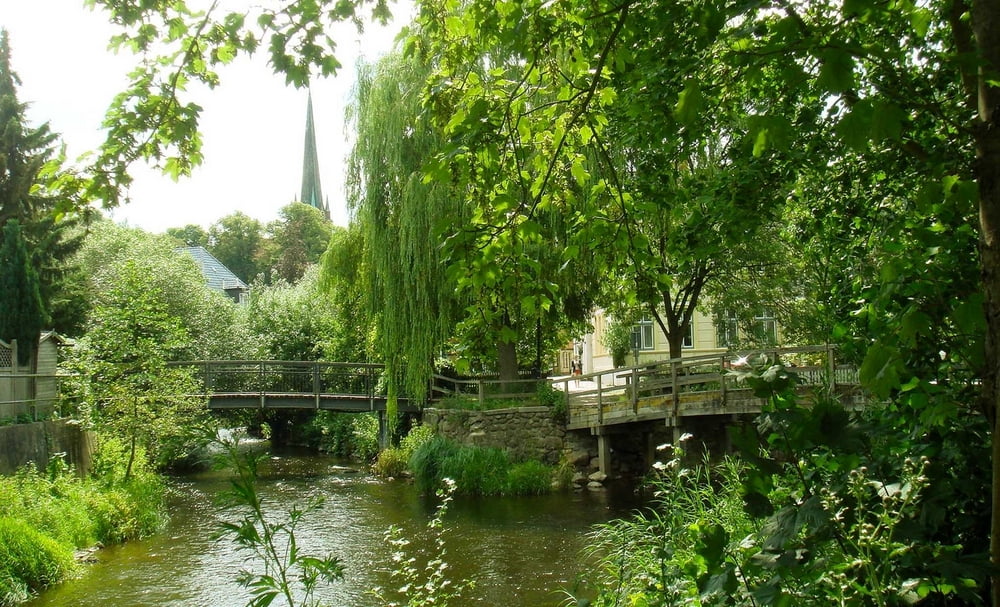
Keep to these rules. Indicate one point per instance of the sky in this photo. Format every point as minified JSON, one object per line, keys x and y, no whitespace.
{"x":253,"y":125}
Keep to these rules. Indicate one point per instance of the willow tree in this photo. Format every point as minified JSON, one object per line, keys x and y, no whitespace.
{"x":398,"y":215}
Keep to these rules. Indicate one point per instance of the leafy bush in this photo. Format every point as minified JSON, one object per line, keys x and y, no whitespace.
{"x":390,"y":463}
{"x":350,"y":435}
{"x":477,"y":470}
{"x":394,"y":461}
{"x":426,"y":461}
{"x":29,"y":560}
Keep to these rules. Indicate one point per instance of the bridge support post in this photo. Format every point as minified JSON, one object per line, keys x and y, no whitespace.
{"x":383,"y":431}
{"x":604,"y":454}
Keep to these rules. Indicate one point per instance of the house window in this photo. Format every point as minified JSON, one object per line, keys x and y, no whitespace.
{"x":642,"y":334}
{"x":726,"y":330}
{"x":688,"y":341}
{"x":765,"y":327}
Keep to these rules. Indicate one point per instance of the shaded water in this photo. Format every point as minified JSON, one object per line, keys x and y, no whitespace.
{"x":519,"y":551}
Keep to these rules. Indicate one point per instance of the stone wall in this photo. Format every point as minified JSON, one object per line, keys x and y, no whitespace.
{"x":35,"y":443}
{"x":524,"y":432}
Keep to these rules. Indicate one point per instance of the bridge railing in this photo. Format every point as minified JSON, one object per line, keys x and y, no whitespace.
{"x":285,"y":377}
{"x":484,"y":389}
{"x":673,"y":380}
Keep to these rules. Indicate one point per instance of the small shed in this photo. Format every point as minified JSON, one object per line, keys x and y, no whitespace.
{"x":29,"y":392}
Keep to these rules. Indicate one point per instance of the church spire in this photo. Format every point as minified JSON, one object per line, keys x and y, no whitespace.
{"x":312,"y":191}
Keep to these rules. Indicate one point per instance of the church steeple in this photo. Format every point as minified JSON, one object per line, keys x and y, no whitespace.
{"x":312,"y":191}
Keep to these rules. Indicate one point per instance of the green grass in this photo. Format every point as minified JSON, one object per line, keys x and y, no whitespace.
{"x":44,"y":517}
{"x":477,"y":470}
{"x":29,"y":560}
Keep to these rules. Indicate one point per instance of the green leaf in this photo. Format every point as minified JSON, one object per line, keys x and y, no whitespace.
{"x":836,"y":73}
{"x":880,"y":370}
{"x":689,"y":103}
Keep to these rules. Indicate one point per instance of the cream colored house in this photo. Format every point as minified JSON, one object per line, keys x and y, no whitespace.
{"x":706,"y":335}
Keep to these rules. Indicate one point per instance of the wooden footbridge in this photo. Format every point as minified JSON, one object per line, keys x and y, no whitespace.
{"x":605,"y":403}
{"x":271,"y":384}
{"x":670,"y":390}
{"x":657,"y":391}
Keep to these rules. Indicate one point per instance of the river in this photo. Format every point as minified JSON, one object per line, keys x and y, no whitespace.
{"x":518,"y":551}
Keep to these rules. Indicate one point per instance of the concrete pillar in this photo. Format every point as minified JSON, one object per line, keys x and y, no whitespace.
{"x":383,"y":430}
{"x":604,"y":453}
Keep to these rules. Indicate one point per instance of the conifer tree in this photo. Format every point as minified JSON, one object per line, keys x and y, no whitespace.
{"x":24,"y":153}
{"x":21,"y":311}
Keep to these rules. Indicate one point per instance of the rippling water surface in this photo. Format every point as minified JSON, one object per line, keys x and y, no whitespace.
{"x":518,"y":551}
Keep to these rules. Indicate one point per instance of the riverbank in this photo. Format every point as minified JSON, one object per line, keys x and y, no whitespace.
{"x":45,"y":517}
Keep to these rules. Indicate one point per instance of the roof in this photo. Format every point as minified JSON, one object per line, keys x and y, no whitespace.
{"x":217,"y":275}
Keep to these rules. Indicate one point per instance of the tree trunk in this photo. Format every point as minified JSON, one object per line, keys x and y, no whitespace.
{"x":986,"y":27}
{"x":507,"y":365}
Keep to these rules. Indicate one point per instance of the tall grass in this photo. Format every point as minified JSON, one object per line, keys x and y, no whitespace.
{"x":476,"y":470}
{"x":44,"y":517}
{"x":647,"y":558}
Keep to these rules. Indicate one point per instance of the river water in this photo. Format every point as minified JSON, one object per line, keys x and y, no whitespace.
{"x":518,"y":551}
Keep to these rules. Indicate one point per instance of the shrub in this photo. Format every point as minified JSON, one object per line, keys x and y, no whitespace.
{"x":390,"y":462}
{"x":30,"y":559}
{"x":394,"y":460}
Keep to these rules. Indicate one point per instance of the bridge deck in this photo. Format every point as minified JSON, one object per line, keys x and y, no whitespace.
{"x":348,"y":403}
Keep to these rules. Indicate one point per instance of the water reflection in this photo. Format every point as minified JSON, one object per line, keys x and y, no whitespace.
{"x":519,"y":551}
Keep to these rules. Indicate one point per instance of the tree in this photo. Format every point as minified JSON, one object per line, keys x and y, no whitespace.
{"x":914,"y":80}
{"x":190,"y":235}
{"x":208,"y":317}
{"x":124,"y":354}
{"x":297,"y":239}
{"x":237,"y":240}
{"x":35,"y":190}
{"x":394,"y":213}
{"x":21,"y":313}
{"x":898,"y":80}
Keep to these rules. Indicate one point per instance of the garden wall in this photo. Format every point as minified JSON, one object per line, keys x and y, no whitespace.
{"x":35,"y":443}
{"x":524,"y":432}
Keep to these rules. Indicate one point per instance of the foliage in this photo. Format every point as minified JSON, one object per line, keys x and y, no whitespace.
{"x":208,"y":317}
{"x":29,"y":560}
{"x":395,"y":213}
{"x":32,"y":192}
{"x":423,"y":586}
{"x":191,"y":235}
{"x":394,"y":461}
{"x":45,"y":516}
{"x":295,"y":322}
{"x":476,"y":470}
{"x":288,"y":573}
{"x":130,"y":390}
{"x":353,"y":435}
{"x":296,"y":240}
{"x":21,"y":312}
{"x":179,"y":46}
{"x":655,"y":556}
{"x":237,"y":240}
{"x":547,"y":396}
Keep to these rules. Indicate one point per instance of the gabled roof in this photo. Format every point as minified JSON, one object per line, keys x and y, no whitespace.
{"x":217,"y":275}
